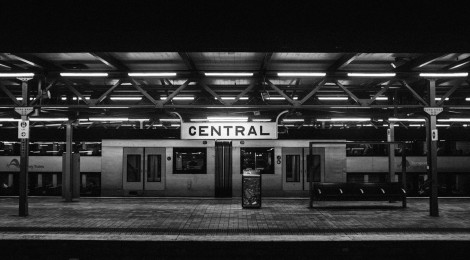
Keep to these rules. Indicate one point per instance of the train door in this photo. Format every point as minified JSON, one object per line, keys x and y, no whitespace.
{"x":223,"y":169}
{"x":293,"y":168}
{"x":144,"y":169}
{"x":297,"y":165}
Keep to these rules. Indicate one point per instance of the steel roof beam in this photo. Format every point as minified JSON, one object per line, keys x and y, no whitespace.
{"x":69,"y":85}
{"x":290,"y":100}
{"x":415,"y":95}
{"x":105,"y":94}
{"x":146,"y":94}
{"x":343,"y":61}
{"x":176,"y":92}
{"x":246,"y":90}
{"x":420,"y":61}
{"x":348,"y":92}
{"x":110,"y":60}
{"x":9,"y":94}
{"x":10,"y":65}
{"x":378,"y":94}
{"x":315,"y":90}
{"x":458,"y":64}
{"x":208,"y":89}
{"x":35,"y":61}
{"x":449,"y":93}
{"x":188,"y":61}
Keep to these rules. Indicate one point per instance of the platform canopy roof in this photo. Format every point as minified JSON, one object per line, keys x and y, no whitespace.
{"x":189,"y":42}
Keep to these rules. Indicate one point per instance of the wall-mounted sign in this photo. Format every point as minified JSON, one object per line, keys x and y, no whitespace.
{"x":23,"y":129}
{"x":229,"y":131}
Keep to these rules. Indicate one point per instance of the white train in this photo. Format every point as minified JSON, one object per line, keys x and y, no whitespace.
{"x":214,"y":168}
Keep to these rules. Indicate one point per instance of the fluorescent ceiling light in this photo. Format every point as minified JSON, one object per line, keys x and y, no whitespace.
{"x":442,"y":125}
{"x":48,"y":119}
{"x":169,"y":119}
{"x":226,"y":119}
{"x":228,"y":74}
{"x":467,"y":99}
{"x":178,"y":98}
{"x":151,"y":74}
{"x":106,"y":107}
{"x":54,"y":107}
{"x":344,"y":119}
{"x":332,"y":98}
{"x":371,"y":74}
{"x":381,"y":98}
{"x":279,"y":98}
{"x":261,"y":120}
{"x":79,"y":98}
{"x":175,"y":125}
{"x":9,"y":120}
{"x":108,"y":119}
{"x":125,"y":98}
{"x":83,"y":74}
{"x":363,"y":125}
{"x":16,"y":75}
{"x":406,"y":119}
{"x":232,"y":98}
{"x":443,"y":75}
{"x":454,"y":120}
{"x":438,"y":98}
{"x":139,"y":119}
{"x":415,"y":125}
{"x":63,"y":98}
{"x":197,"y":119}
{"x":301,"y":74}
{"x":159,"y":125}
{"x":293,"y":120}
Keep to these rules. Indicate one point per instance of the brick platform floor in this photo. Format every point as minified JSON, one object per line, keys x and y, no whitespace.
{"x":189,"y":219}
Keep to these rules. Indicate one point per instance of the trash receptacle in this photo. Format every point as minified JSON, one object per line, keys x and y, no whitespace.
{"x":251,"y":189}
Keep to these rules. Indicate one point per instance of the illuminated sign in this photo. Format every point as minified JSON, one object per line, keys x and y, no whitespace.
{"x":228,"y":131}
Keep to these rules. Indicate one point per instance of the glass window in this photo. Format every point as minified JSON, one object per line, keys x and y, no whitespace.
{"x":261,"y":159}
{"x":292,"y":168}
{"x":133,"y":168}
{"x":154,"y":168}
{"x":189,"y":160}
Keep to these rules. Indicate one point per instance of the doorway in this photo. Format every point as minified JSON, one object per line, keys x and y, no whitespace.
{"x":223,"y":169}
{"x":144,"y":169}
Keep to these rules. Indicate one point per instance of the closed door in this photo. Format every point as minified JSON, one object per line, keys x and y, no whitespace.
{"x":297,"y":164}
{"x":144,"y":169}
{"x":223,"y":169}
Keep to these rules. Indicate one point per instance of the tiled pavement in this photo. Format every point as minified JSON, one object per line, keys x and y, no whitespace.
{"x":189,"y":219}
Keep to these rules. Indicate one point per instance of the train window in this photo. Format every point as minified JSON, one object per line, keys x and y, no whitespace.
{"x":154,"y":168}
{"x":189,"y":160}
{"x":133,"y":168}
{"x":292,"y":168}
{"x":261,"y":159}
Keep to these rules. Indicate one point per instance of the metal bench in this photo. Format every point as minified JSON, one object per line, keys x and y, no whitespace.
{"x":392,"y":191}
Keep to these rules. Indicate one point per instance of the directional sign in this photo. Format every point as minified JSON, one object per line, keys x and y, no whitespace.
{"x":23,"y":129}
{"x":433,"y":111}
{"x":434,"y":136}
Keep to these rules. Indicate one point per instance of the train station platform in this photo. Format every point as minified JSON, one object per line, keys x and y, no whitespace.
{"x":201,"y":223}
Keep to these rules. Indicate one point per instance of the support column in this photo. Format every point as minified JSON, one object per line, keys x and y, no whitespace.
{"x":24,"y":158}
{"x":68,"y":164}
{"x":431,"y":139}
{"x":391,"y":152}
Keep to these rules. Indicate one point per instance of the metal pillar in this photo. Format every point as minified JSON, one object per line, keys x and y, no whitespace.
{"x":431,"y":139}
{"x":391,"y":152}
{"x":67,"y":173}
{"x":24,"y":158}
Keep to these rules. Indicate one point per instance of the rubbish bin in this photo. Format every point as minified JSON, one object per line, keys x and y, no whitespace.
{"x":251,"y":189}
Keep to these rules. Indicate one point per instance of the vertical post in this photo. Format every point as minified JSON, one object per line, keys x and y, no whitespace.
{"x":68,"y":179}
{"x":391,"y":152}
{"x":24,"y":158}
{"x":431,"y":130}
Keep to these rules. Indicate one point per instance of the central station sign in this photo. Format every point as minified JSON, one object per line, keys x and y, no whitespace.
{"x":229,"y":130}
